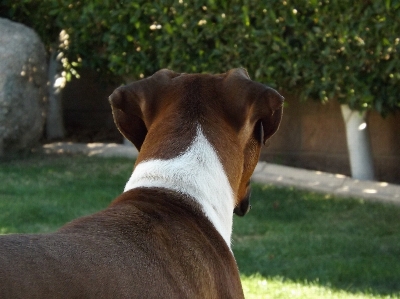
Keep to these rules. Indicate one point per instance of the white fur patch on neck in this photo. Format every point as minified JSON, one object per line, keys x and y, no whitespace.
{"x":198,"y":173}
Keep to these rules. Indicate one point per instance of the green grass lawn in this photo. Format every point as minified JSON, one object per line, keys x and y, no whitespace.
{"x":292,"y":244}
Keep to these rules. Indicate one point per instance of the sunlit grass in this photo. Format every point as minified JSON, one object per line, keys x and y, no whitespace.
{"x":258,"y":287}
{"x":292,"y":244}
{"x":337,"y":244}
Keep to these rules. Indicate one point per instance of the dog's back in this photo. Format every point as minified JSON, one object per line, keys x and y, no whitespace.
{"x":148,"y":243}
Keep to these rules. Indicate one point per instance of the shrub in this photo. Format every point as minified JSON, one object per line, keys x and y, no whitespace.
{"x":344,"y":50}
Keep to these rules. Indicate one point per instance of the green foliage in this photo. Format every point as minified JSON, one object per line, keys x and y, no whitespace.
{"x":33,"y":14}
{"x":344,"y":50}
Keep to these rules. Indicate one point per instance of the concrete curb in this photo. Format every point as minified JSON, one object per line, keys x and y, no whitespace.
{"x":336,"y":184}
{"x":265,"y":173}
{"x":91,"y":149}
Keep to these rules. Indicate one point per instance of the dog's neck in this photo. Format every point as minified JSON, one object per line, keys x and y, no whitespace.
{"x":198,"y":173}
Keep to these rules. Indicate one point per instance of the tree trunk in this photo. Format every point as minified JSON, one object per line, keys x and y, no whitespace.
{"x":54,"y":119}
{"x":358,"y":144}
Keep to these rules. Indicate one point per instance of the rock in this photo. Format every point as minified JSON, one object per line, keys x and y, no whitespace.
{"x":23,"y":87}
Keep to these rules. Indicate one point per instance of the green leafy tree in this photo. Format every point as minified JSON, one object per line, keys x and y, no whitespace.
{"x":323,"y":50}
{"x":326,"y":49}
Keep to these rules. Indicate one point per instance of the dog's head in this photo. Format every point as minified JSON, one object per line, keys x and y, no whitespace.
{"x":160,"y":114}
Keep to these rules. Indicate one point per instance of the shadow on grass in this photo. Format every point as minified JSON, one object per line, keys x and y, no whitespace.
{"x":344,"y":244}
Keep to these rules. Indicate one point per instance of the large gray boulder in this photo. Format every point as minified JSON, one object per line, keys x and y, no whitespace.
{"x":23,"y":87}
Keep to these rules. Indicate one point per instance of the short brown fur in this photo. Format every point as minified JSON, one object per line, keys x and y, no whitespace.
{"x":147,"y":244}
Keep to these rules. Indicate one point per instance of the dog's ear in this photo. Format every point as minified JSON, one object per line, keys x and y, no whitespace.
{"x":132,"y":104}
{"x":256,"y":110}
{"x":266,"y":104}
{"x":270,"y":105}
{"x":128,"y":116}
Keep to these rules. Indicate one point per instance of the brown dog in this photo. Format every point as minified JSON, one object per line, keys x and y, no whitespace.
{"x":168,"y":235}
